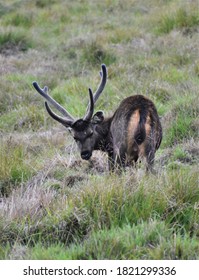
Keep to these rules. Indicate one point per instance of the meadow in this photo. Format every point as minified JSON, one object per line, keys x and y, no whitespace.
{"x":53,"y":205}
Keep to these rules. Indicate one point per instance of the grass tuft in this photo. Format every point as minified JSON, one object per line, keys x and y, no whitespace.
{"x":14,"y":41}
{"x":94,"y":54}
{"x":20,"y":20}
{"x":182,"y":126}
{"x":13,"y":166}
{"x":181,"y":19}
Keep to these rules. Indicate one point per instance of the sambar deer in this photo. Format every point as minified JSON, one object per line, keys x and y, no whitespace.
{"x":133,"y":131}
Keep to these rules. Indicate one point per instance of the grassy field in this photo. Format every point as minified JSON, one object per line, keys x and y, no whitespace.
{"x":53,"y":205}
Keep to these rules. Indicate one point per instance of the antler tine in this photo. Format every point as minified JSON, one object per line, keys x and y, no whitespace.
{"x":44,"y":93}
{"x":102,"y":84}
{"x":90,"y":109}
{"x":65,"y":122}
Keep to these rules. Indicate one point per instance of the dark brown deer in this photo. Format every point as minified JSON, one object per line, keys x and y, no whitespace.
{"x":132,"y":132}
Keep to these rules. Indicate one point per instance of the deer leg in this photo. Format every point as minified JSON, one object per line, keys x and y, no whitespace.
{"x":120,"y":159}
{"x":116,"y":161}
{"x":134,"y":162}
{"x":150,"y":156}
{"x":111,"y":162}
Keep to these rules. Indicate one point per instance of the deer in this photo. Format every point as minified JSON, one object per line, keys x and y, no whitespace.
{"x":133,"y":132}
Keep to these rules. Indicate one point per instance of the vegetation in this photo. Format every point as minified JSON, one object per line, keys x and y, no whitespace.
{"x":53,"y":205}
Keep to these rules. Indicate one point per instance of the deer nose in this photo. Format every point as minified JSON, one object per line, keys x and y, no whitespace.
{"x":86,"y":155}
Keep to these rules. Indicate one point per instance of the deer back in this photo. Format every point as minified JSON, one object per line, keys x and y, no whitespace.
{"x":134,"y":122}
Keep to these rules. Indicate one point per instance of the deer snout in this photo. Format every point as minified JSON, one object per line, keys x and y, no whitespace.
{"x":86,"y":155}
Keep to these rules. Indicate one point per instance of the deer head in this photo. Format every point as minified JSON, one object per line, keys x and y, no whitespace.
{"x":84,"y":130}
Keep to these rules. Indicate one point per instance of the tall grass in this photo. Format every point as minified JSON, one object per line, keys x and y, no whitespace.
{"x":14,"y":40}
{"x":182,"y":18}
{"x":95,"y":54}
{"x":134,"y":219}
{"x":13,"y":167}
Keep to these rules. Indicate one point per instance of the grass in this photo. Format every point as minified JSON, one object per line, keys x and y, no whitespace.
{"x":184,"y":112}
{"x":141,"y":221}
{"x":14,"y":166}
{"x":183,"y":17}
{"x":17,"y":19}
{"x":151,"y":240}
{"x":95,"y":54}
{"x":12,"y":41}
{"x":52,"y":204}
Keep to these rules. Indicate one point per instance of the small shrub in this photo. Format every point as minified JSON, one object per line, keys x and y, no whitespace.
{"x":14,"y":41}
{"x":166,"y":25}
{"x":95,"y":54}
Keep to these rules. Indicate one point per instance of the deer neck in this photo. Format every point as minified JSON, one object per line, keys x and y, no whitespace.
{"x":103,"y":130}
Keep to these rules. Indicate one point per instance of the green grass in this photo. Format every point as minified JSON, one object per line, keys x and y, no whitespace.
{"x":151,"y":240}
{"x":179,"y":154}
{"x":14,"y":40}
{"x":94,"y":54}
{"x":53,"y":205}
{"x":184,"y":112}
{"x":182,"y":18}
{"x":44,"y":3}
{"x":128,"y":222}
{"x":17,"y":19}
{"x":14,"y":168}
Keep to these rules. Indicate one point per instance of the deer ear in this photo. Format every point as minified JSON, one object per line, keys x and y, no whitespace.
{"x":98,"y":117}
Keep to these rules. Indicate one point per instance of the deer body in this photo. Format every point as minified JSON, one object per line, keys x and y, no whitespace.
{"x":132,"y":132}
{"x":135,"y":131}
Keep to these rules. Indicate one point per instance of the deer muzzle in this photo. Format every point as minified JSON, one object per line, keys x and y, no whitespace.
{"x":86,"y":155}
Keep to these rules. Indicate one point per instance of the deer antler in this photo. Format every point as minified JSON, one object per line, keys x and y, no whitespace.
{"x":65,"y":122}
{"x":68,"y":121}
{"x":90,"y":109}
{"x":102,"y":84}
{"x":99,"y":90}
